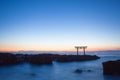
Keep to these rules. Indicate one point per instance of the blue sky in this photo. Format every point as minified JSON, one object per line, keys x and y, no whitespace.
{"x":59,"y":25}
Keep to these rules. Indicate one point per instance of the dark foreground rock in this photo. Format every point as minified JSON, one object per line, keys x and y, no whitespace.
{"x":111,"y":67}
{"x":8,"y":58}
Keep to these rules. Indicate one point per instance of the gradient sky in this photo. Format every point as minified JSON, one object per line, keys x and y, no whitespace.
{"x":59,"y":25}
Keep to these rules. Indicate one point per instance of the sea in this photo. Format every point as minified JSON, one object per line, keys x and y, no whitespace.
{"x":91,"y":70}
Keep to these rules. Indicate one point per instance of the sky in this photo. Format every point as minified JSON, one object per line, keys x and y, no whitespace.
{"x":59,"y":25}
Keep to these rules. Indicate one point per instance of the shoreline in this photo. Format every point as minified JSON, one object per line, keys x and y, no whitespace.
{"x":10,"y":59}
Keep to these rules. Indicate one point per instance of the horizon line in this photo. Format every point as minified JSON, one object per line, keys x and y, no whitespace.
{"x":59,"y":51}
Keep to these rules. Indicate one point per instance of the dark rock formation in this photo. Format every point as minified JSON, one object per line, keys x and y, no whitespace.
{"x":20,"y":58}
{"x":89,"y":70}
{"x":111,"y":67}
{"x":69,"y":58}
{"x":8,"y":59}
{"x":40,"y":59}
{"x":78,"y":71}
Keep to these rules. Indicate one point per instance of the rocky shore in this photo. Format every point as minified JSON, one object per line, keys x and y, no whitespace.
{"x":10,"y":59}
{"x":111,"y":67}
{"x":70,"y":58}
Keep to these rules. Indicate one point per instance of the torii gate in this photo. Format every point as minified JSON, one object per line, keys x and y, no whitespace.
{"x":81,"y":47}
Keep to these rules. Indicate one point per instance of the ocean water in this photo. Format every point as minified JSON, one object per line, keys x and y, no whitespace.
{"x":61,"y":71}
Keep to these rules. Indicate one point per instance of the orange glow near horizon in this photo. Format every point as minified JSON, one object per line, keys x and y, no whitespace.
{"x":14,"y":48}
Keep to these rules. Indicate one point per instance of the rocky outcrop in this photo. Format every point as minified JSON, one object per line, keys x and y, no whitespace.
{"x":111,"y":67}
{"x":69,"y":58}
{"x":40,"y":59}
{"x":8,"y":58}
{"x":78,"y":71}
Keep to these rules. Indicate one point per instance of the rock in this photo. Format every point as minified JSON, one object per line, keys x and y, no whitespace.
{"x":40,"y":59}
{"x":89,"y":70}
{"x":111,"y":67}
{"x":78,"y":71}
{"x":70,"y":58}
{"x":8,"y":59}
{"x":20,"y":58}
